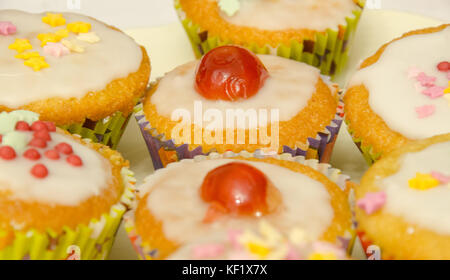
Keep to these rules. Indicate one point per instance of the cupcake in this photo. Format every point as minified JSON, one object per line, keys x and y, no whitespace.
{"x":202,"y":198}
{"x":402,"y":205}
{"x":314,"y":32}
{"x":60,"y":197}
{"x":75,"y":71}
{"x":233,"y":100}
{"x":265,"y":244}
{"x":401,"y":93}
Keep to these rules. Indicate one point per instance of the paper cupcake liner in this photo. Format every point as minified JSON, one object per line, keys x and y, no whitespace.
{"x":328,"y":51}
{"x":146,"y":252}
{"x":86,"y":242}
{"x":163,"y":150}
{"x":107,"y":131}
{"x":371,"y":250}
{"x":367,"y":150}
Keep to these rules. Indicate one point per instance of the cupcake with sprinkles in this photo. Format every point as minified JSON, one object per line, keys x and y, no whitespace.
{"x":401,"y":93}
{"x":59,"y":195}
{"x":193,"y":204}
{"x":402,"y":202}
{"x":234,"y":100}
{"x":265,"y":244}
{"x":315,"y":32}
{"x":79,"y":73}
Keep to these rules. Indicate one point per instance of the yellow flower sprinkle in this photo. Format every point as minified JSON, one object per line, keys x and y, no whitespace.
{"x":20,"y":45}
{"x":37,"y":63}
{"x":258,"y":250}
{"x":322,"y":257}
{"x":27,"y":55}
{"x":423,"y":182}
{"x":63,"y":33}
{"x":54,"y":19}
{"x":79,"y":27}
{"x":447,"y":90}
{"x":48,"y":37}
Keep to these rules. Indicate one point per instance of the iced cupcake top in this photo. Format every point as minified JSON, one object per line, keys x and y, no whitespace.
{"x":195,"y":199}
{"x":265,"y":244}
{"x":232,"y":78}
{"x":39,"y":163}
{"x":418,"y":192}
{"x":409,"y":85}
{"x":287,"y":14}
{"x":60,"y":55}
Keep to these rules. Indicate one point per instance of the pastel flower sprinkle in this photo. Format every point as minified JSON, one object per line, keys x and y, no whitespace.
{"x":423,"y":182}
{"x":425,"y":111}
{"x":54,"y":19}
{"x":20,"y":45}
{"x":90,"y":37}
{"x":434,"y":91}
{"x":372,"y":202}
{"x":79,"y":27}
{"x":7,"y":28}
{"x":442,"y":178}
{"x":73,"y":46}
{"x":56,"y":49}
{"x":426,"y":81}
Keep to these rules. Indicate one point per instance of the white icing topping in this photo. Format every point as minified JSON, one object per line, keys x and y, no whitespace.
{"x":175,"y":200}
{"x":298,"y":14}
{"x":394,"y":97}
{"x":65,"y":184}
{"x":429,"y":209}
{"x":289,"y":88}
{"x":73,"y":75}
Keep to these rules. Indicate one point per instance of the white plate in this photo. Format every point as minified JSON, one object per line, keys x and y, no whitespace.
{"x":169,"y":47}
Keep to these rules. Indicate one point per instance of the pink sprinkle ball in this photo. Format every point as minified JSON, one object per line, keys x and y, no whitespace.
{"x":42,"y":134}
{"x":444,"y":66}
{"x":74,"y":160}
{"x":64,"y":148}
{"x":32,"y":154}
{"x":7,"y":153}
{"x":22,"y":126}
{"x":38,"y":143}
{"x":39,"y":125}
{"x":39,"y":171}
{"x":52,"y":154}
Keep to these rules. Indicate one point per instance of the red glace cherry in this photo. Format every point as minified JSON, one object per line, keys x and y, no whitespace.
{"x":230,"y":73}
{"x":444,"y":66}
{"x":52,"y":154}
{"x":32,"y":154}
{"x":74,"y":160}
{"x":64,"y":148}
{"x":238,"y":188}
{"x":38,"y":143}
{"x":42,"y":134}
{"x":50,"y":126}
{"x":38,"y":125}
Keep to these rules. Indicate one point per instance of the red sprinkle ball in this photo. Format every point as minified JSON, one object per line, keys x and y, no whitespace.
{"x":22,"y":126}
{"x":52,"y":154}
{"x":32,"y":154}
{"x":39,"y":125}
{"x":38,"y":143}
{"x":50,"y":126}
{"x":64,"y":148}
{"x":7,"y":153}
{"x":444,"y":66}
{"x":74,"y":160}
{"x":39,"y":171}
{"x":42,"y":134}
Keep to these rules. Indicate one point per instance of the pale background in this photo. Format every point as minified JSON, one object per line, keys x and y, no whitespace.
{"x":150,"y":13}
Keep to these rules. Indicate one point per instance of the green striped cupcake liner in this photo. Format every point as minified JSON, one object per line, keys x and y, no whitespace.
{"x":367,"y":150}
{"x":87,"y":242}
{"x":328,"y":51}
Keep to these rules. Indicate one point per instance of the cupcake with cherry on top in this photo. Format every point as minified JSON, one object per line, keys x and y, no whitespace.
{"x":233,"y":100}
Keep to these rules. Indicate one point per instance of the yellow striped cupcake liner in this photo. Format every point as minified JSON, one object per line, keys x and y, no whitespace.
{"x":328,"y":51}
{"x":86,"y":242}
{"x":367,"y":151}
{"x":148,"y":252}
